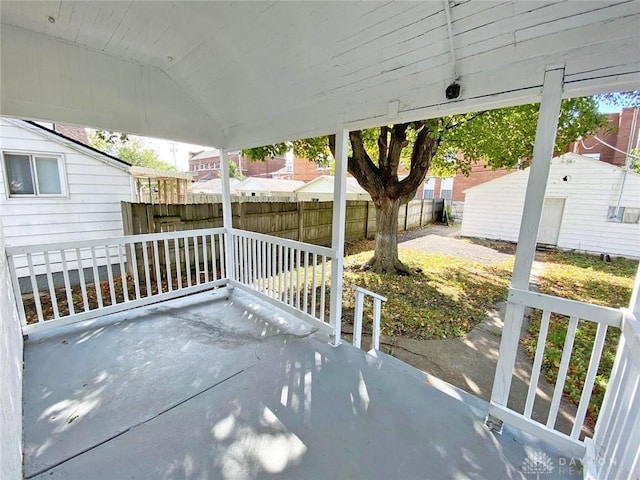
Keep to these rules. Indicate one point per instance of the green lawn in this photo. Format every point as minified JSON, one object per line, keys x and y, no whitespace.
{"x":445,"y":297}
{"x":588,"y":279}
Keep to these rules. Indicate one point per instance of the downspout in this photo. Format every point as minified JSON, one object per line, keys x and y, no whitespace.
{"x":627,"y":163}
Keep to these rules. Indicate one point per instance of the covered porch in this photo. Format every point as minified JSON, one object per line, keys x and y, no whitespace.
{"x":223,"y":385}
{"x":248,"y":377}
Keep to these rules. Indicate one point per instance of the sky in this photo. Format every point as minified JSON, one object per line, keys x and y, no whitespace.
{"x":173,"y":153}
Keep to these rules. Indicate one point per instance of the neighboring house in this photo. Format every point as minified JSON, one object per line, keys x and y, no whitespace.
{"x":212,"y":187}
{"x":205,"y":165}
{"x":321,"y":190}
{"x":302,"y":169}
{"x":267,"y":187}
{"x":54,"y":189}
{"x":580,"y":207}
{"x":617,"y":134}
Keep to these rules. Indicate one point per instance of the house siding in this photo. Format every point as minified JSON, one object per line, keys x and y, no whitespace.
{"x":494,"y":210}
{"x":91,"y":208}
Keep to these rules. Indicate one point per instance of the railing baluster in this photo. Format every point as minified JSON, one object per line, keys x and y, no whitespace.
{"x":323,"y":283}
{"x":83,"y":283}
{"x":298,"y":278}
{"x":205,"y":259}
{"x":377,"y":310}
{"x":594,"y":363}
{"x":52,"y":289}
{"x":254,"y":264}
{"x":537,"y":363}
{"x":224,"y":268}
{"x":134,"y":267}
{"x":306,"y":281}
{"x":176,"y":251}
{"x":286,"y":274}
{"x":357,"y":319}
{"x":214,"y":263}
{"x":196,"y":256}
{"x":292,"y":266}
{"x":67,"y":284}
{"x":562,"y":372}
{"x":34,"y":288}
{"x":263,"y":267}
{"x":123,"y":275}
{"x":156,"y":263}
{"x":313,"y":285}
{"x":147,"y":268}
{"x":187,"y":261}
{"x":167,"y":265}
{"x":109,"y":267}
{"x":96,"y":278}
{"x":280,"y":271}
{"x":274,"y":268}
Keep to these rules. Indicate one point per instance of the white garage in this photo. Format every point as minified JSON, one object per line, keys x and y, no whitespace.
{"x":589,"y":206}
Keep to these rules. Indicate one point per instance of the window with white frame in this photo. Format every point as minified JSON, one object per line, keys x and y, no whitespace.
{"x":446,"y":188}
{"x":623,"y":215}
{"x":429,"y":189}
{"x":33,"y":174}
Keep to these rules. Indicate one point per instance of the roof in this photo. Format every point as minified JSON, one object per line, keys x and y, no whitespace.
{"x":214,"y":153}
{"x":144,"y":172}
{"x":570,"y":157}
{"x":155,"y":68}
{"x":253,"y":184}
{"x":324,"y":184}
{"x":213,"y":186}
{"x":71,"y":143}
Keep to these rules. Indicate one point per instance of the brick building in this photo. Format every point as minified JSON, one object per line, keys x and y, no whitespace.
{"x":205,"y":165}
{"x":617,"y":134}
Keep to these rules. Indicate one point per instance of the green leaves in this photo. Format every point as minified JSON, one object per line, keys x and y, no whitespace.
{"x":129,"y":149}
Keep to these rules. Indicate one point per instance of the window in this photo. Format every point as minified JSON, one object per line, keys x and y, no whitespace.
{"x":33,"y":174}
{"x":446,"y":188}
{"x":429,"y":189}
{"x":623,"y":215}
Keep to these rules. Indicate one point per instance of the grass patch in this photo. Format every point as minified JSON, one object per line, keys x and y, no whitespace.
{"x":587,"y":279}
{"x":446,"y":297}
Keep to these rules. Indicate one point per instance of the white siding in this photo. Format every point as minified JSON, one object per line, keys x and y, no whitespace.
{"x":10,"y":377}
{"x":91,"y":209}
{"x":494,"y":209}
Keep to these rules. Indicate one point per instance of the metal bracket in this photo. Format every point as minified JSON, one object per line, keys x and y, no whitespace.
{"x":493,"y":423}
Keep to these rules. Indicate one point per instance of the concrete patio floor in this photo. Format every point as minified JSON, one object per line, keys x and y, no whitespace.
{"x":220,"y":385}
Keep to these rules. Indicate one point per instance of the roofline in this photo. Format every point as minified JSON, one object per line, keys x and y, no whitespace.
{"x":583,"y":158}
{"x":110,"y":159}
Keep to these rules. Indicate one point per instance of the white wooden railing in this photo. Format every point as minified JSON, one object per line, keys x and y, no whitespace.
{"x":59,"y":284}
{"x":290,"y":274}
{"x":614,"y":451}
{"x":74,"y":281}
{"x":359,"y":312}
{"x":576,"y":312}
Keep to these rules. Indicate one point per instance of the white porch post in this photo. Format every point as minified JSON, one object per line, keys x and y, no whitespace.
{"x":338,"y":228}
{"x":532,"y":212}
{"x":227,"y":219}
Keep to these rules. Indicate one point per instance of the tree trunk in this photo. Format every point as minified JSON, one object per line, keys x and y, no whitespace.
{"x":385,"y":259}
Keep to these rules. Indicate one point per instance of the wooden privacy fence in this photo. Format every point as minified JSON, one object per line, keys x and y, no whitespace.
{"x":308,"y":222}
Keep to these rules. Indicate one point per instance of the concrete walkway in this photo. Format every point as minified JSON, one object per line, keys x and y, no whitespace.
{"x":469,"y":362}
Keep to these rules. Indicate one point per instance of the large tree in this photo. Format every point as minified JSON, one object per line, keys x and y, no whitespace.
{"x":128,"y":148}
{"x":500,"y":138}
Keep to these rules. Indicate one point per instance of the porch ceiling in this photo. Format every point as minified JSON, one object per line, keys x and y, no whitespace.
{"x":242,"y":74}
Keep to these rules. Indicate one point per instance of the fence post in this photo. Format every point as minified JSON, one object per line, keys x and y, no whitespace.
{"x":301,"y":221}
{"x":406,"y":216}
